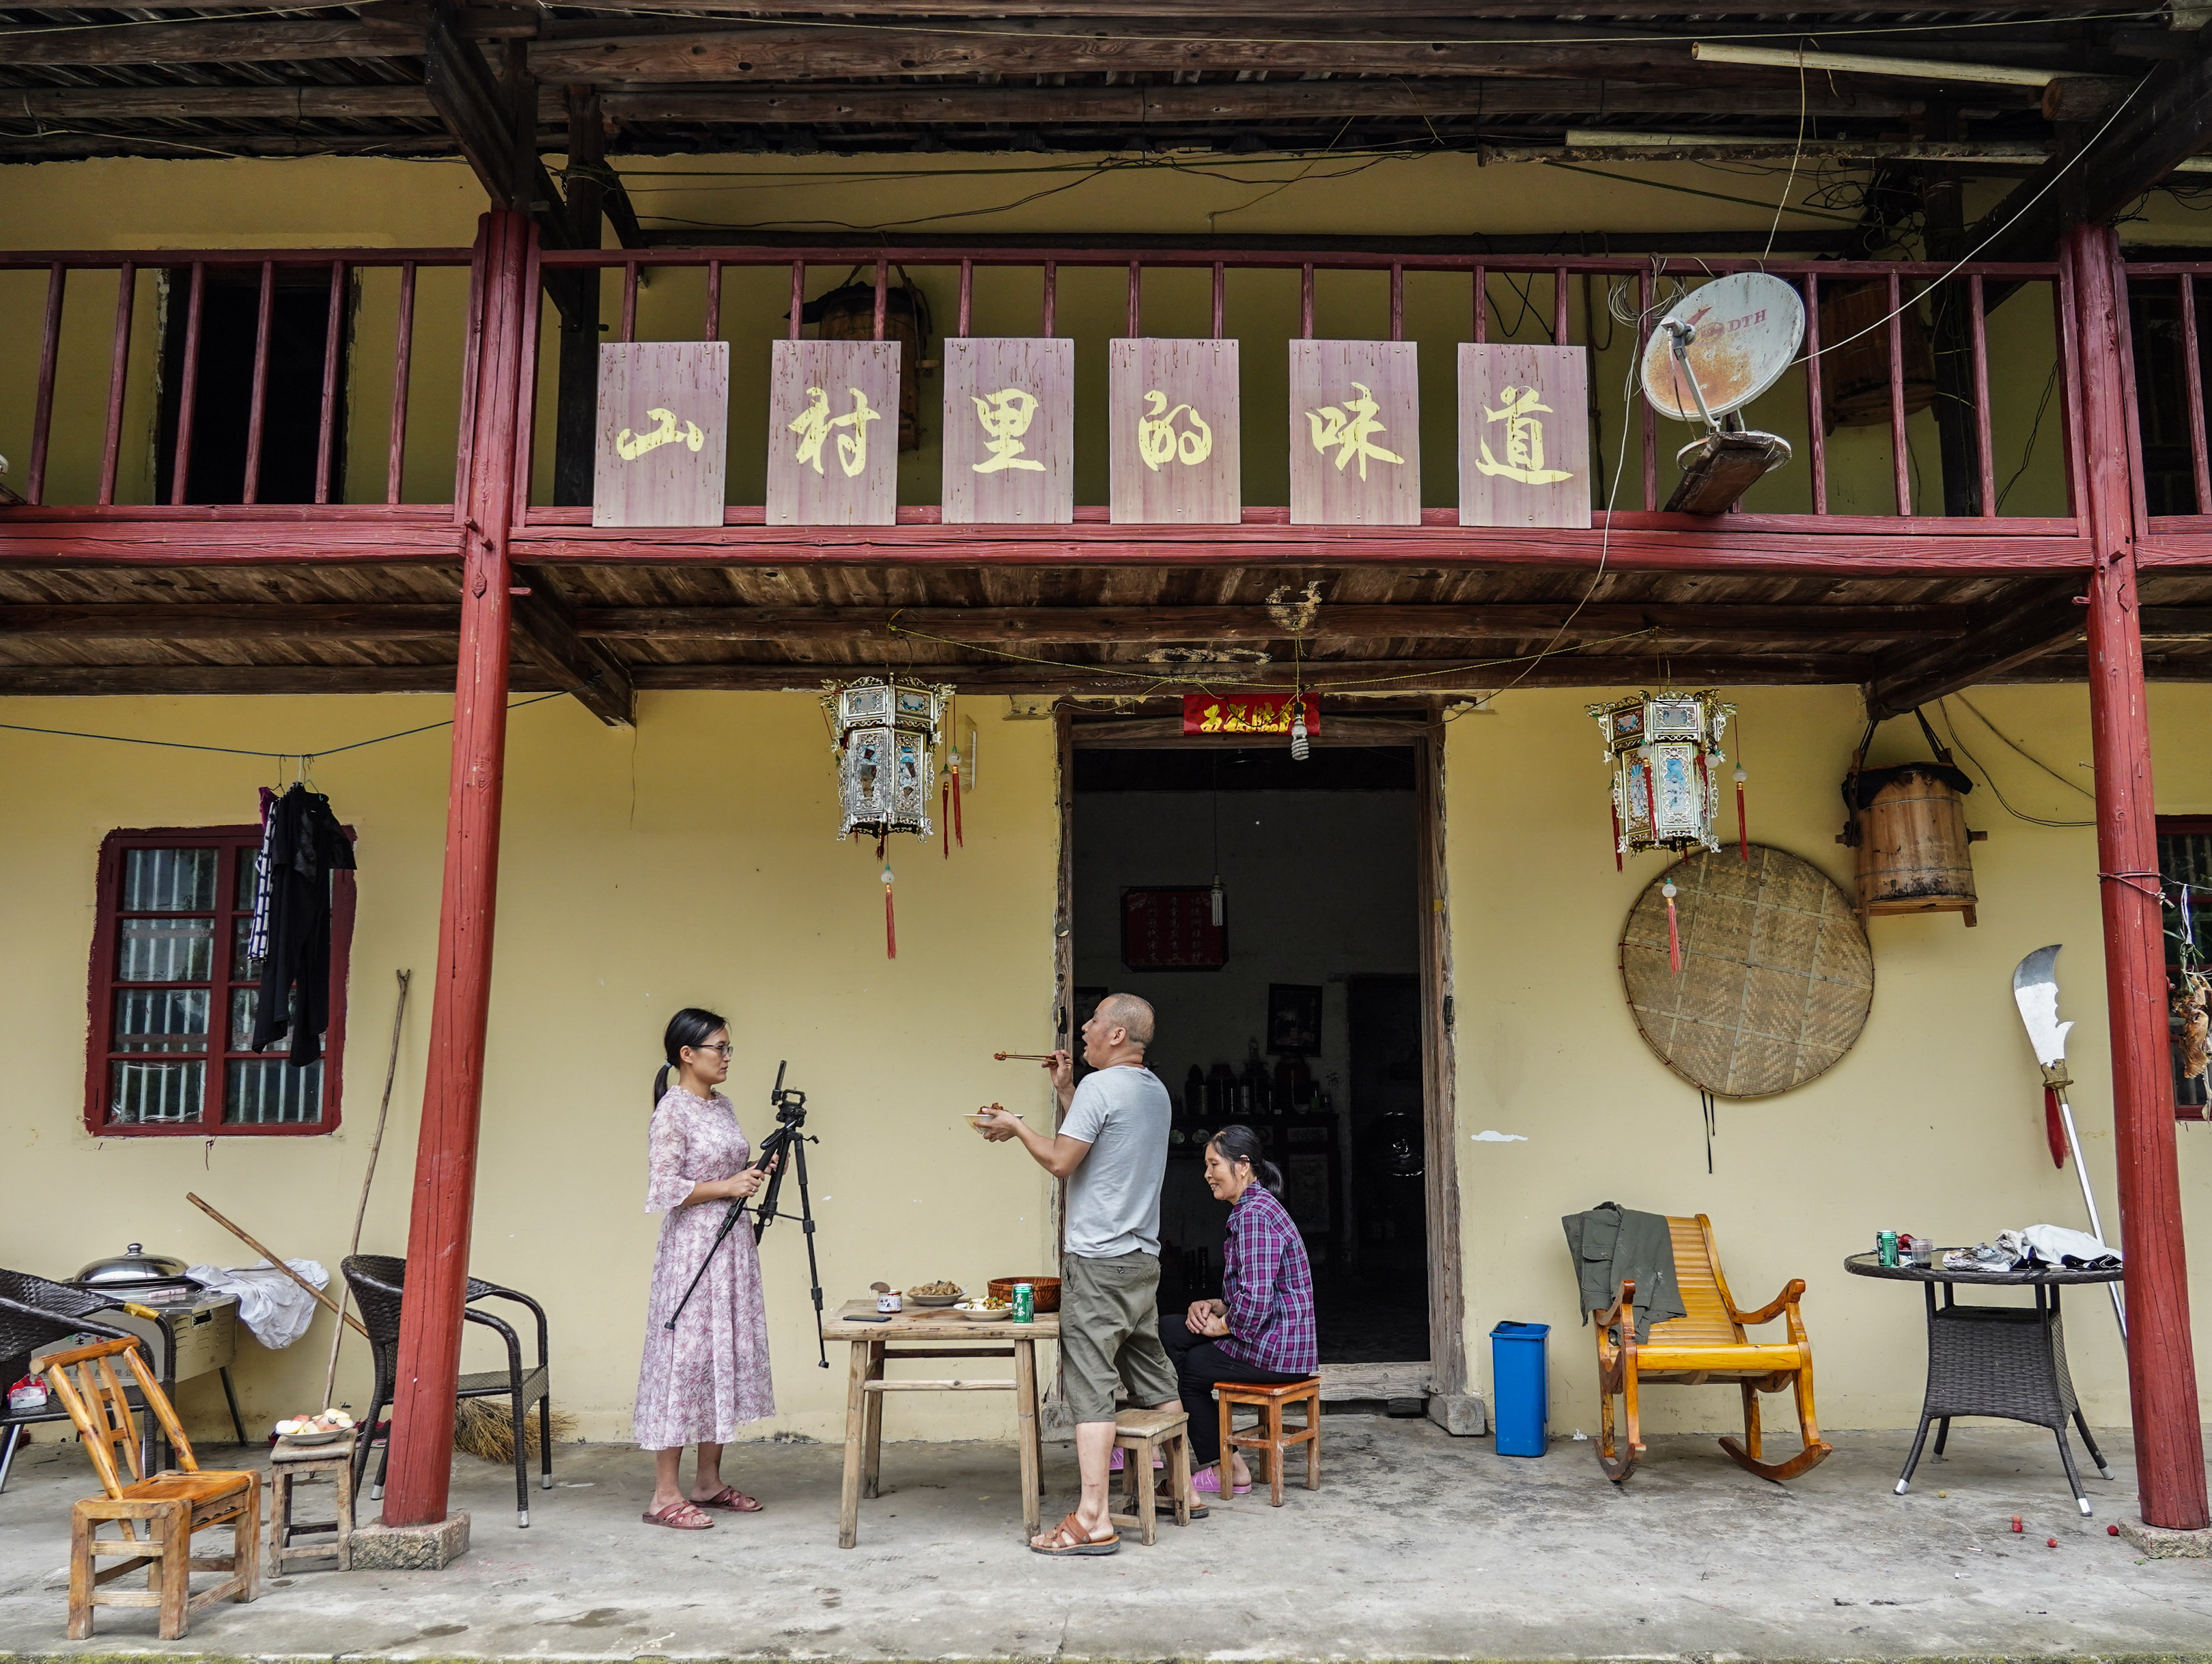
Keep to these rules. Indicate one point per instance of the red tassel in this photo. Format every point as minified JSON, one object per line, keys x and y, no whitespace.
{"x":959,"y":832}
{"x":890,"y":918}
{"x":1674,"y":931}
{"x":1651,"y":801}
{"x":1614,"y":810}
{"x":2053,"y":1128}
{"x":1742,"y":829}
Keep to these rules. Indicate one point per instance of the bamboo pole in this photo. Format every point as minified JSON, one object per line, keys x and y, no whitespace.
{"x":268,"y":1254}
{"x":361,"y":1213}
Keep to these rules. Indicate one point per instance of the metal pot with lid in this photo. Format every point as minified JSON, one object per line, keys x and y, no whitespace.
{"x":134,"y":1268}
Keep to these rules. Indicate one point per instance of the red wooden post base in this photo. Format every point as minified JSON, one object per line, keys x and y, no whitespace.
{"x":446,"y":1151}
{"x":2162,"y":1364}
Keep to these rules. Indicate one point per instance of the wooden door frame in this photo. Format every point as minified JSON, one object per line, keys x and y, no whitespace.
{"x":1445,"y":1374}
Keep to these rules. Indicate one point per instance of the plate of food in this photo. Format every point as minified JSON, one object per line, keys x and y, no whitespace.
{"x":328,"y":1427}
{"x":941,"y":1293}
{"x":986,"y":1310}
{"x":976,"y":1116}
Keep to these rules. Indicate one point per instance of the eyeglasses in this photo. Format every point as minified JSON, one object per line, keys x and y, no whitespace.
{"x":723,"y":1046}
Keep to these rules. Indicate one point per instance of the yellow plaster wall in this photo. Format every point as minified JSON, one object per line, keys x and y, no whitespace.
{"x":690,"y":862}
{"x":1933,"y":1122}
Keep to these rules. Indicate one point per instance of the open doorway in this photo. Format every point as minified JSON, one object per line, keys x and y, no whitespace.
{"x":1295,"y":1005}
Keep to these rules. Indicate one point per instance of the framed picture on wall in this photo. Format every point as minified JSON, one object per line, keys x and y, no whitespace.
{"x":1293,"y":1018}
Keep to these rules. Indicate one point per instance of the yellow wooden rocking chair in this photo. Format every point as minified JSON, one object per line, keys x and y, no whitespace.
{"x":1708,"y":1345}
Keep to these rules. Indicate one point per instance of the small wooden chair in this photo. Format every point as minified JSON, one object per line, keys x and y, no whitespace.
{"x":1141,"y":1433}
{"x":174,"y":1504}
{"x":1708,"y":1345}
{"x":1269,"y":1436}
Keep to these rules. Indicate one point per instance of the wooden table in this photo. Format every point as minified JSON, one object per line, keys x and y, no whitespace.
{"x":947,"y":1335}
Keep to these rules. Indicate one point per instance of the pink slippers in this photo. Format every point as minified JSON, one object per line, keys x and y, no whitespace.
{"x":1207,"y":1482}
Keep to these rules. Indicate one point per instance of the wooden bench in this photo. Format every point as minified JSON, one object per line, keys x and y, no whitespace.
{"x":1707,"y":1345}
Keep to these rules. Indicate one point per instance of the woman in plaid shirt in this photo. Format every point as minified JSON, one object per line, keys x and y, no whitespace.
{"x":1262,"y":1328}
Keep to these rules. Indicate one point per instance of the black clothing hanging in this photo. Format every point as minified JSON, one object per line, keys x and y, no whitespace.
{"x":305,"y":844}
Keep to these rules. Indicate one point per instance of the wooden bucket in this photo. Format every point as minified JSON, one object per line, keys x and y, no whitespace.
{"x":1913,"y":848}
{"x":1855,"y":375}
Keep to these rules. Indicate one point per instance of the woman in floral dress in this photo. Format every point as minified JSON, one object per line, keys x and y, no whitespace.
{"x":700,"y":1381}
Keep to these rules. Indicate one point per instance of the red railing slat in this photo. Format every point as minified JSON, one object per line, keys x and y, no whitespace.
{"x":263,"y":318}
{"x":326,"y":428}
{"x":180,"y":461}
{"x":402,"y":355}
{"x":118,"y":377}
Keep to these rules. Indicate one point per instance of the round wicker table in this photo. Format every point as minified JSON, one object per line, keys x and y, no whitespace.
{"x":2001,"y":1361}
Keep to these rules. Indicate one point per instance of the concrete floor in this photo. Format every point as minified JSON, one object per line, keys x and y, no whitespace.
{"x":1419,"y":1546}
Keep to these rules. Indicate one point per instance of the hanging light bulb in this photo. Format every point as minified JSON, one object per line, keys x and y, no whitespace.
{"x":1217,"y":901}
{"x":1300,"y":747}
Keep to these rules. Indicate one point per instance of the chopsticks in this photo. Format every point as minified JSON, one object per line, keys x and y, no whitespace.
{"x":1023,"y":1056}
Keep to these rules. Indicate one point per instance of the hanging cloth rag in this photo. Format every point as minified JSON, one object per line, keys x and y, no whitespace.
{"x":1611,"y":1245}
{"x":257,"y":934}
{"x":275,"y":1310}
{"x":305,"y":844}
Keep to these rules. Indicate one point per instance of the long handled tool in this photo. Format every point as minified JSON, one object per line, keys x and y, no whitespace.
{"x":2035,"y":990}
{"x":361,"y":1213}
{"x":270,"y":1255}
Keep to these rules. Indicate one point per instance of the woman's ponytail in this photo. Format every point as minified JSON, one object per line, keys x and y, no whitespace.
{"x":1238,"y":1142}
{"x":689,"y":1027}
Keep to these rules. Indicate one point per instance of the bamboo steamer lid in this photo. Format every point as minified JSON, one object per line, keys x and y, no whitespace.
{"x":1776,"y":976}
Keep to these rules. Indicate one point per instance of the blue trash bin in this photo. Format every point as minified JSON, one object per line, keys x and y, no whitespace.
{"x":1519,"y":1375}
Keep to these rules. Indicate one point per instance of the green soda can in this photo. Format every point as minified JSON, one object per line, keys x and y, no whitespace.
{"x":1025,"y":1299}
{"x":1885,"y":1248}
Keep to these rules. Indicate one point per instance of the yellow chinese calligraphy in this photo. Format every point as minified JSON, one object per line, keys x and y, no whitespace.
{"x":814,"y":425}
{"x":1005,"y":415}
{"x":1524,"y":441}
{"x":631,"y":446}
{"x":1157,"y":441}
{"x":1352,"y":430}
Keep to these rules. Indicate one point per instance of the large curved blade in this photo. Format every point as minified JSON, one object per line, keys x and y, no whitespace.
{"x":2035,"y":989}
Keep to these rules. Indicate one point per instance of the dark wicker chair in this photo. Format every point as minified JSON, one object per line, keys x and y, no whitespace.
{"x":35,"y":1315}
{"x":378,"y":1281}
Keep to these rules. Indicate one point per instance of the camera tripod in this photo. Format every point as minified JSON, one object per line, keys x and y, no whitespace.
{"x":790,"y":1136}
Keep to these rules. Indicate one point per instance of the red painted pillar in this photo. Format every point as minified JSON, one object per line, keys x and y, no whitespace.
{"x":453,"y":1092}
{"x":2161,"y":1362}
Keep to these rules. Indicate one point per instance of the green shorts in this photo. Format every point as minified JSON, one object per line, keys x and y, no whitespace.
{"x":1109,"y":1330}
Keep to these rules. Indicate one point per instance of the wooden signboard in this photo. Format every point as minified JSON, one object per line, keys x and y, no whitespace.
{"x":832,"y":433}
{"x":1246,"y":713}
{"x":1009,"y":430}
{"x":1355,"y":434}
{"x":1524,"y":435}
{"x":1173,"y":407}
{"x":664,"y":427}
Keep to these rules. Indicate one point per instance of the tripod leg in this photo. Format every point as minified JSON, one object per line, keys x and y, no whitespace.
{"x":813,"y":1267}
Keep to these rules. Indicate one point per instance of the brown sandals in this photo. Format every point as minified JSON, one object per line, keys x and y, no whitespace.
{"x":1068,"y":1539}
{"x":728,"y":1497}
{"x":679,"y":1516}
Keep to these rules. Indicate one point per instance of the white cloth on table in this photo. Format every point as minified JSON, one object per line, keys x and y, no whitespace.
{"x":2033,"y":1245}
{"x":275,"y":1310}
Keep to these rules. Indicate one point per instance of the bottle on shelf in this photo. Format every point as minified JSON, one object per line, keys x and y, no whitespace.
{"x":1192,"y":1106}
{"x":1257,"y":1092}
{"x":1220,"y":1094}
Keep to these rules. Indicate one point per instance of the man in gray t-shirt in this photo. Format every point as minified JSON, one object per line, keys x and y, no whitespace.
{"x":1112,"y":1149}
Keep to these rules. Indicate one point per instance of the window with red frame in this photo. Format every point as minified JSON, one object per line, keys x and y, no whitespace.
{"x":2185,"y":863}
{"x":173,"y":995}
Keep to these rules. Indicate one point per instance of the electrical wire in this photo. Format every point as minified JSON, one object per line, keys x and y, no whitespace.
{"x":2071,"y":785}
{"x":1943,"y":710}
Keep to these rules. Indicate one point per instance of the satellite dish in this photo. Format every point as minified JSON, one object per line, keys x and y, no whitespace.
{"x":1727,"y":341}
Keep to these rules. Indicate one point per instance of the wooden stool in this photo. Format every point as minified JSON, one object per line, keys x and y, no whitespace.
{"x":1142,"y":1432}
{"x":1268,"y":1435}
{"x":290,"y":1465}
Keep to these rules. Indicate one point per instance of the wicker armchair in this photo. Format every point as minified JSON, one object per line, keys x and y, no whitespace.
{"x":36,"y":1314}
{"x":378,"y":1281}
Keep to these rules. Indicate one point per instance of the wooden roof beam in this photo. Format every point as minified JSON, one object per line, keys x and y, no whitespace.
{"x":2045,"y":617}
{"x":547,"y":632}
{"x":2165,"y":120}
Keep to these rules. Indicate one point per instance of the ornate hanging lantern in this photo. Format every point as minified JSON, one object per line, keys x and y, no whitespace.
{"x":886,"y":748}
{"x":1664,"y":749}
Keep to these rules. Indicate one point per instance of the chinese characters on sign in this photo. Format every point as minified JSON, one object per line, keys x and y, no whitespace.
{"x":829,"y":463}
{"x":1524,"y":435}
{"x":1172,"y":929}
{"x":663,"y":423}
{"x":1246,"y":713}
{"x":1175,"y":410}
{"x":1009,"y":430}
{"x":1355,"y":434}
